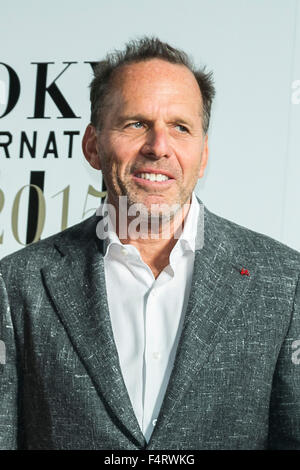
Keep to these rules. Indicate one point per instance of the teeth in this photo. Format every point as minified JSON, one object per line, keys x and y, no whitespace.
{"x":153,"y":176}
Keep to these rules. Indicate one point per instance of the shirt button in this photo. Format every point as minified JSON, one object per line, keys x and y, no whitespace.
{"x":154,"y":422}
{"x":124,"y":252}
{"x":156,"y":355}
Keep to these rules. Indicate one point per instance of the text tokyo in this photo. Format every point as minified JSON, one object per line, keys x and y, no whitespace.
{"x":43,"y":88}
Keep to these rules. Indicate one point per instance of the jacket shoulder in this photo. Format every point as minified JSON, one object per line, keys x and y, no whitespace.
{"x":38,"y":254}
{"x":256,"y":247}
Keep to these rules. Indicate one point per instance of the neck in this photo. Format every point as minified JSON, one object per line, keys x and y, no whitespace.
{"x":153,"y":237}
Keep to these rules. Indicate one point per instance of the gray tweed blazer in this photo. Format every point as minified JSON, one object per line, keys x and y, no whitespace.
{"x":235,"y":383}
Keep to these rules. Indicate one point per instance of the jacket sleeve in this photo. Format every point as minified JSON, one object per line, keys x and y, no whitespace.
{"x":284,"y":423}
{"x":8,"y":375}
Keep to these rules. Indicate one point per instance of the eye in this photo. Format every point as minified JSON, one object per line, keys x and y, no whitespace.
{"x":182,"y":129}
{"x":135,"y":125}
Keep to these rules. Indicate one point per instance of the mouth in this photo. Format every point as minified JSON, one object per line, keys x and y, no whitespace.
{"x":153,"y":176}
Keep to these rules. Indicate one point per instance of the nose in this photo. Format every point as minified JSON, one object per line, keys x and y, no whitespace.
{"x":157,"y":144}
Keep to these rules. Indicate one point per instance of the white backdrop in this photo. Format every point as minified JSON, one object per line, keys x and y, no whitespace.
{"x":253,"y":47}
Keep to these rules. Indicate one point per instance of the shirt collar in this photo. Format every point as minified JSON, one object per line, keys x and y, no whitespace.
{"x":187,"y":238}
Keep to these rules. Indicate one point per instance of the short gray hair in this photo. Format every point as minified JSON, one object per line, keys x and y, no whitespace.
{"x":140,"y":50}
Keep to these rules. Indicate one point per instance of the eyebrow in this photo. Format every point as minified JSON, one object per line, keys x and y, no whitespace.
{"x":140,"y":117}
{"x":131,"y":117}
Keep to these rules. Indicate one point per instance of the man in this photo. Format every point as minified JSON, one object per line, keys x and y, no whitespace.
{"x":123,"y":336}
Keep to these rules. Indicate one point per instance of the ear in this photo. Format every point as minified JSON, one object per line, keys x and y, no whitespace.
{"x":90,"y":147}
{"x":204,"y":157}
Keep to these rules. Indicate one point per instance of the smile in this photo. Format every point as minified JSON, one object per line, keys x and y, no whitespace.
{"x":157,"y":177}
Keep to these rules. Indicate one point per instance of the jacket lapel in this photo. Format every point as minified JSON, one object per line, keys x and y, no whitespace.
{"x":217,"y":291}
{"x":76,"y":284}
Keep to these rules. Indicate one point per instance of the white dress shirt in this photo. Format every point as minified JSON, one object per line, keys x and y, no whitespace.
{"x":147,"y":315}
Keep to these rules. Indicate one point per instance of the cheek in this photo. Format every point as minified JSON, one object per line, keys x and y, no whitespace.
{"x":190,"y":159}
{"x":123,"y":150}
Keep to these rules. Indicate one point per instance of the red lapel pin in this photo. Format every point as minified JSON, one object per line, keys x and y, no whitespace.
{"x":244,"y":272}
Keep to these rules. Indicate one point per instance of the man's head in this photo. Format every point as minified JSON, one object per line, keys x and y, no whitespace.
{"x":149,"y":115}
{"x":139,"y":51}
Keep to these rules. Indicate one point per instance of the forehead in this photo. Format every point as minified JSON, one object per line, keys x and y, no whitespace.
{"x":156,"y":78}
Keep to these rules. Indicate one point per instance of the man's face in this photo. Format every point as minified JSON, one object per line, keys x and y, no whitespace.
{"x":151,"y":146}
